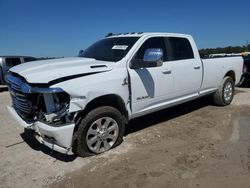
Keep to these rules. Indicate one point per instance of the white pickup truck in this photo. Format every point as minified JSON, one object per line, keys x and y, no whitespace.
{"x":82,"y":104}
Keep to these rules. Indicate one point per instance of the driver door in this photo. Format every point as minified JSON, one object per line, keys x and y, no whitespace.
{"x":150,"y":86}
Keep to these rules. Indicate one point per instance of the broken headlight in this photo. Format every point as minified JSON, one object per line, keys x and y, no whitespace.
{"x":55,"y":101}
{"x":53,"y":106}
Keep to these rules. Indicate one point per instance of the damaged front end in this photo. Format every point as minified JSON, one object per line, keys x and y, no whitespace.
{"x":53,"y":106}
{"x":44,"y":110}
{"x":37,"y":102}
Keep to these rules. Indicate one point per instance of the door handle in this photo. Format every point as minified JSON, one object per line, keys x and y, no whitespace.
{"x":197,"y":67}
{"x":167,"y":71}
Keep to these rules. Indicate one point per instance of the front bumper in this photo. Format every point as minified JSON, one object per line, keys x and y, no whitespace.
{"x":56,"y":138}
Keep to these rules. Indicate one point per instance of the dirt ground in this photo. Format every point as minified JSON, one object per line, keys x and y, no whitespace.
{"x":192,"y":145}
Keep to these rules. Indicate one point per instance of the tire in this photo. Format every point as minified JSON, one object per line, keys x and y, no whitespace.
{"x":101,"y":130}
{"x":225,"y":93}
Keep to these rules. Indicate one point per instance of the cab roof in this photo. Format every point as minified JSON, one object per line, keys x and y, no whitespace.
{"x":140,"y":34}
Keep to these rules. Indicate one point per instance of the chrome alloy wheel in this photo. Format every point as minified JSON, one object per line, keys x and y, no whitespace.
{"x":228,"y":91}
{"x":102,"y":134}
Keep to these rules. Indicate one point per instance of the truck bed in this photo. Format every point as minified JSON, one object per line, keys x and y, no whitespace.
{"x":217,"y":67}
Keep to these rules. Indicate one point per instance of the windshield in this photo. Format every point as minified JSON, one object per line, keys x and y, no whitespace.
{"x":110,"y":49}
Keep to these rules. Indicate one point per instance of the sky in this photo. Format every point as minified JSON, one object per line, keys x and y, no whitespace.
{"x":56,"y":28}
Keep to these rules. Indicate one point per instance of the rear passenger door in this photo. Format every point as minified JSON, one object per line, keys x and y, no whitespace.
{"x":187,"y":70}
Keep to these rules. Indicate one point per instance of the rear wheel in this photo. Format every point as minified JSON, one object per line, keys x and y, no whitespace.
{"x":101,"y":130}
{"x":225,"y":93}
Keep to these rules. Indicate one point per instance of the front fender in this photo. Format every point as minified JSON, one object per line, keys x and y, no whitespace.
{"x":80,"y":103}
{"x":85,"y":89}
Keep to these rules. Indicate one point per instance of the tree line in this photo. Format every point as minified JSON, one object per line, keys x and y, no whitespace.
{"x":227,"y":50}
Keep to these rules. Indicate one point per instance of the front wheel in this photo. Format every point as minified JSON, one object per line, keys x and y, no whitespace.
{"x":101,"y":130}
{"x":225,"y":93}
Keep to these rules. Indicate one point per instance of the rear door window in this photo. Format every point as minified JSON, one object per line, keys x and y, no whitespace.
{"x":179,"y":48}
{"x":11,"y":62}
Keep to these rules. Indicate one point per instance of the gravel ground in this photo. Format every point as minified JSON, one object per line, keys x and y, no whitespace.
{"x":192,"y":145}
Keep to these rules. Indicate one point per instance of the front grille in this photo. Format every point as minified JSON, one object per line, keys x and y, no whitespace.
{"x":20,"y":100}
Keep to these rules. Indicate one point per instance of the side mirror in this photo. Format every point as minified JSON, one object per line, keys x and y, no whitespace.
{"x":152,"y":58}
{"x":153,"y":54}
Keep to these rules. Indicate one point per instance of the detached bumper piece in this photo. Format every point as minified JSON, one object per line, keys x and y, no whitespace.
{"x":56,"y":138}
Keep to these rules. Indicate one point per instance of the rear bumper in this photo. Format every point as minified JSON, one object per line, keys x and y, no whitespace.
{"x":56,"y":138}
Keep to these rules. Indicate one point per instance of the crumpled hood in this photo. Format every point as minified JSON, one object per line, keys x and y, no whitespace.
{"x":45,"y":71}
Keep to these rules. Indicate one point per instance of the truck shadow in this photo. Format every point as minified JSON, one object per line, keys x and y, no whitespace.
{"x":28,"y":137}
{"x":166,"y":114}
{"x":246,"y":84}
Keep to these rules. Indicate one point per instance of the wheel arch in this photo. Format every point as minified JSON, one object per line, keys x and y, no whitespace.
{"x":231,"y":73}
{"x":106,"y":100}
